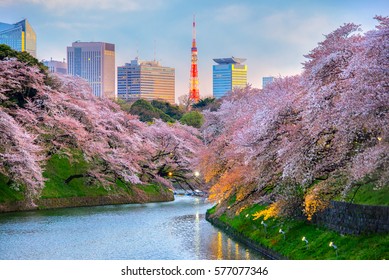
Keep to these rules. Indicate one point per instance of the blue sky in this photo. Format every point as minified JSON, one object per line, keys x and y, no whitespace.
{"x":273,"y":35}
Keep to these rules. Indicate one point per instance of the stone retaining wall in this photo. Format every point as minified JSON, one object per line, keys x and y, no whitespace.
{"x":348,"y":218}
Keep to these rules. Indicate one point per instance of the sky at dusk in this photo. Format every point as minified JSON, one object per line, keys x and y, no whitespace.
{"x":273,"y":35}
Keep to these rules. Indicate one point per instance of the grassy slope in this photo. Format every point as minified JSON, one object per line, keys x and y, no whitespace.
{"x":374,"y":246}
{"x":8,"y":194}
{"x":59,"y":168}
{"x":369,"y":194}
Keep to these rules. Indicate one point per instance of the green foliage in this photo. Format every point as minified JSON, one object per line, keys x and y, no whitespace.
{"x":370,"y":194}
{"x":365,"y":247}
{"x":150,"y":189}
{"x":147,"y":112}
{"x":7,"y":53}
{"x":173,"y":111}
{"x":193,"y":118}
{"x":124,"y":105}
{"x":9,"y":193}
{"x":207,"y":103}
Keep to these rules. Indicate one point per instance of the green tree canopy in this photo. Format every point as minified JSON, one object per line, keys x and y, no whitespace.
{"x":7,"y":53}
{"x":193,"y":118}
{"x":148,"y":112}
{"x":172,"y":110}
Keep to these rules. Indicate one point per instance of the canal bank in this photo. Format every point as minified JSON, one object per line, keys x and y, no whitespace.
{"x":299,"y":239}
{"x":93,"y":197}
{"x":235,"y":234}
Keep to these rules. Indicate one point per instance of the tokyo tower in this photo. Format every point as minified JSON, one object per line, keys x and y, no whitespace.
{"x":194,"y":94}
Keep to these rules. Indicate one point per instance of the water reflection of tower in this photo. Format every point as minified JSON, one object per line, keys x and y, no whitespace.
{"x":194,"y":93}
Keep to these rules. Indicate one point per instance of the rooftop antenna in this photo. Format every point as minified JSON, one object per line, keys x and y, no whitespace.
{"x":155,"y":50}
{"x":137,"y":51}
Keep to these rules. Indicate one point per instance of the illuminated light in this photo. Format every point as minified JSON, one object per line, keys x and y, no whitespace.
{"x":170,"y":174}
{"x":237,"y":254}
{"x":334,"y":246}
{"x":282,"y":232}
{"x":247,"y":254}
{"x":229,"y":249}
{"x":379,"y":138}
{"x":197,"y":174}
{"x":219,"y":246}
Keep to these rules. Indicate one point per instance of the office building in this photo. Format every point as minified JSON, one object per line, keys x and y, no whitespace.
{"x":147,"y":80}
{"x":55,"y":66}
{"x":228,"y":74}
{"x":95,"y":62}
{"x":266,"y":81}
{"x":19,"y":36}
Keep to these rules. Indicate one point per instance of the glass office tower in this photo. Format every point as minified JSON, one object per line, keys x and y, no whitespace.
{"x":266,"y":81}
{"x":19,"y":36}
{"x":147,"y":80}
{"x":228,"y":74}
{"x":95,"y":62}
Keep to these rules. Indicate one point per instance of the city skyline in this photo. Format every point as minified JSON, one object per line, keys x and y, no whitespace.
{"x":272,"y":36}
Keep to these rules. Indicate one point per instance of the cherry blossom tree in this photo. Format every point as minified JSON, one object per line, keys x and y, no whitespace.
{"x":307,"y":138}
{"x":40,"y":119}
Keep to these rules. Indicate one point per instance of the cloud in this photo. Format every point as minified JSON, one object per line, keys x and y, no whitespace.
{"x":233,"y":13}
{"x":294,"y":28}
{"x":66,"y":5}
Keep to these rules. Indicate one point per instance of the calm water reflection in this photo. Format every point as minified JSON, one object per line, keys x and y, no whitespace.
{"x":171,"y":230}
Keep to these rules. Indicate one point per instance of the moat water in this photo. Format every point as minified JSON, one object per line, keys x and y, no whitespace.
{"x":174,"y":230}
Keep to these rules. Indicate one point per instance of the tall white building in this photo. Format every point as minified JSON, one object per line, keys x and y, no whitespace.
{"x":95,"y":62}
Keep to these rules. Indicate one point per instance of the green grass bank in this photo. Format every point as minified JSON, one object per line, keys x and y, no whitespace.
{"x":284,"y":238}
{"x":67,"y":185}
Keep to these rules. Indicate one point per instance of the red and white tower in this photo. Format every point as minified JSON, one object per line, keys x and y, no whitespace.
{"x":194,"y":93}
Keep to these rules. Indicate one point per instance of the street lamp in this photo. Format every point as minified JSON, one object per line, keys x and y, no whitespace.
{"x":265,"y":227}
{"x":305,"y":240}
{"x":334,"y":246}
{"x":197,"y":174}
{"x":282,"y":232}
{"x":170,"y":174}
